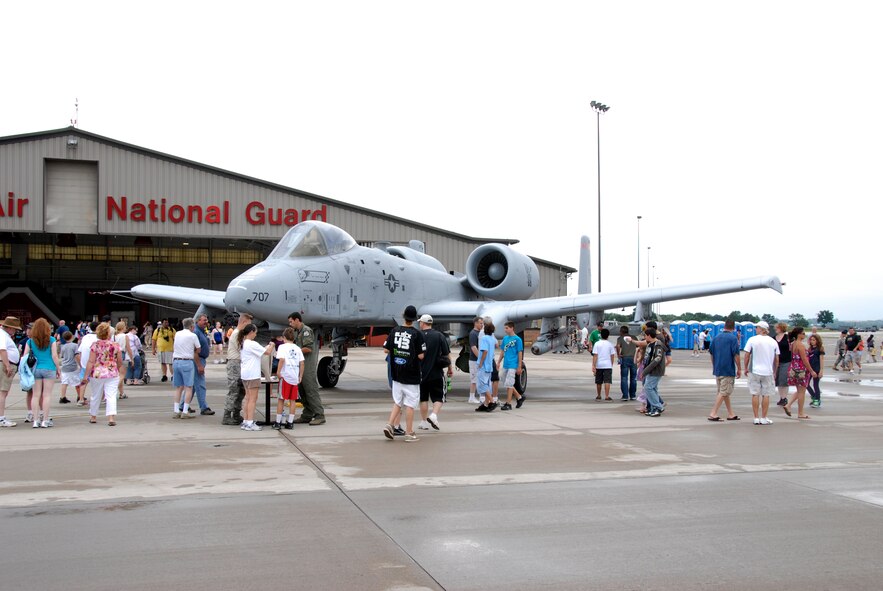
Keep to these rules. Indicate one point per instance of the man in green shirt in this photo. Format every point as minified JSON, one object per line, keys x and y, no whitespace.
{"x":595,"y":336}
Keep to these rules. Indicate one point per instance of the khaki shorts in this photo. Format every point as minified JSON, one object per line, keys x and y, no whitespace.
{"x":6,"y":382}
{"x":761,"y":385}
{"x":251,"y":384}
{"x":725,"y":384}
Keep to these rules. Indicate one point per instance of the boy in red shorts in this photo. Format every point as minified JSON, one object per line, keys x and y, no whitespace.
{"x":289,"y":373}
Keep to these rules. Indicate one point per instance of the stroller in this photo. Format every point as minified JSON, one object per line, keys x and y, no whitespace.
{"x":144,"y":377}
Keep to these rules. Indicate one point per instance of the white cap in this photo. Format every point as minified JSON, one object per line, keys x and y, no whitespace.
{"x":426,"y":319}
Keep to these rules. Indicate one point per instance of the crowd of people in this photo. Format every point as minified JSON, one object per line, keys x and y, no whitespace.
{"x":98,"y":360}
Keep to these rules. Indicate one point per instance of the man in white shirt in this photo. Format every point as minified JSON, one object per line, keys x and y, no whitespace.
{"x":603,"y":355}
{"x":183,"y":369}
{"x":10,"y":357}
{"x":761,"y":364}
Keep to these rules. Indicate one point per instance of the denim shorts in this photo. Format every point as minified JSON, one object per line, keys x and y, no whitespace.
{"x":184,"y":373}
{"x":45,"y":374}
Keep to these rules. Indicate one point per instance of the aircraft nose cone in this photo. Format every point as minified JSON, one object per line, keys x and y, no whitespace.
{"x":236,"y":296}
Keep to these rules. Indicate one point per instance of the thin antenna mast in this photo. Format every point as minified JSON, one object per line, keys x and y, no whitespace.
{"x":76,"y":118}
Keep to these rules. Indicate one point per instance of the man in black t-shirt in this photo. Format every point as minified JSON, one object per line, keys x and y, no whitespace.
{"x":474,"y":336}
{"x":853,"y":354}
{"x":405,"y":349}
{"x":432,"y":386}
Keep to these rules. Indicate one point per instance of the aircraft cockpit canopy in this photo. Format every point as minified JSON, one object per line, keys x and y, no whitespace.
{"x":312,"y":239}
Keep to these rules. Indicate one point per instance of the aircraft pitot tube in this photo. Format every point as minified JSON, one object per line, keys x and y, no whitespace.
{"x":496,"y":271}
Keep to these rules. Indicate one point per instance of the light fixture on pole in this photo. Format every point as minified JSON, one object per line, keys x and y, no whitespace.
{"x":639,"y":252}
{"x":599,"y":108}
{"x":648,"y":266}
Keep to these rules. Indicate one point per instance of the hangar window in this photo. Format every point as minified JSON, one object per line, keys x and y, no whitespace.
{"x":224,"y":256}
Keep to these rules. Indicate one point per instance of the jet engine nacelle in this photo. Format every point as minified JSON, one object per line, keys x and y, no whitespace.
{"x":496,"y":271}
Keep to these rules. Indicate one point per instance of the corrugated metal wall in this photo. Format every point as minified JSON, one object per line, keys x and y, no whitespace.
{"x":141,"y":176}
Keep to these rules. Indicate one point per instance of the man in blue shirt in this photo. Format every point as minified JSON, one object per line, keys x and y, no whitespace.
{"x":511,"y":359}
{"x":486,"y":345}
{"x":200,"y":361}
{"x":726,"y":365}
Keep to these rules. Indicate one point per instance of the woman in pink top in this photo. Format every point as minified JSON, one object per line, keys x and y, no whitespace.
{"x":103,"y":371}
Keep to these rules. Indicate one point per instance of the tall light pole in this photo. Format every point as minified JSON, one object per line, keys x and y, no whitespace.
{"x":599,"y":108}
{"x":639,"y":252}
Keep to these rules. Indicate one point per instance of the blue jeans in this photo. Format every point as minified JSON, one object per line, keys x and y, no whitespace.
{"x":628,"y":377}
{"x":199,"y":387}
{"x":134,"y":371}
{"x":651,"y":391}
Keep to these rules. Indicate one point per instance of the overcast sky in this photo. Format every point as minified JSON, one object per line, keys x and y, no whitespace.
{"x":749,"y":136}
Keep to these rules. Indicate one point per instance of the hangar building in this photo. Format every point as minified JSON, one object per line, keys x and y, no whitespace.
{"x":82,"y":214}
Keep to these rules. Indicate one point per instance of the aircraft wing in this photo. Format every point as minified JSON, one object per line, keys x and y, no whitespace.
{"x":523,"y":310}
{"x":188,"y":295}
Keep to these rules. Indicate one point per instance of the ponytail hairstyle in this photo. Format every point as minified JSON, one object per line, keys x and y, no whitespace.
{"x":246,"y":330}
{"x":797,"y":330}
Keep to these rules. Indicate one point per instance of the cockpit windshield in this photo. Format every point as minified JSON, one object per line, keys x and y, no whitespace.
{"x":313,"y":239}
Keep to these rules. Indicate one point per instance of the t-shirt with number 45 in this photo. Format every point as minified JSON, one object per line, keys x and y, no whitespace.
{"x":404,"y":344}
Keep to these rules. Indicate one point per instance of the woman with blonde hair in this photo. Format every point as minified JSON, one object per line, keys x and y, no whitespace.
{"x":799,"y":372}
{"x":43,"y":345}
{"x":103,"y":373}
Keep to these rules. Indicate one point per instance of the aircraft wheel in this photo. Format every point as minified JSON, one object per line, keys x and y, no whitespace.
{"x":521,"y":381}
{"x":326,"y":377}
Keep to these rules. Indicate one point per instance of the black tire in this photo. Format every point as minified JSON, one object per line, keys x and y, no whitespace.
{"x":521,"y":381}
{"x":326,"y":377}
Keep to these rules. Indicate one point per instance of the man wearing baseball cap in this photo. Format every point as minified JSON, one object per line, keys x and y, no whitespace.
{"x":432,"y":385}
{"x":761,"y":364}
{"x":10,"y":357}
{"x":405,"y":348}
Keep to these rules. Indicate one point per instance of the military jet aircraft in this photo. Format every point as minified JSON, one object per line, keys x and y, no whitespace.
{"x":317,"y":269}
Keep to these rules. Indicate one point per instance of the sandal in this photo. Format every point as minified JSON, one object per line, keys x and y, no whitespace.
{"x":787,"y":410}
{"x":93,"y":420}
{"x":714,"y":419}
{"x":111,"y":423}
{"x":803,"y":417}
{"x":734,"y":418}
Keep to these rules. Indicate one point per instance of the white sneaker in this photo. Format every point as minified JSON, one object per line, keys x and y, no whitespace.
{"x":766,"y":421}
{"x":7,"y":423}
{"x":36,"y":425}
{"x":29,"y":418}
{"x":757,"y":422}
{"x":433,"y":420}
{"x":472,"y":400}
{"x":46,"y":424}
{"x":251,"y":427}
{"x":423,"y":425}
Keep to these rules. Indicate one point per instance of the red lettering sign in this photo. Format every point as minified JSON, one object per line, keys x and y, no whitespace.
{"x":256,"y":213}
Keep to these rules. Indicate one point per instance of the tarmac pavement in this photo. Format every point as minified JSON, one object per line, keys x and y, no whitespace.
{"x":564,"y":493}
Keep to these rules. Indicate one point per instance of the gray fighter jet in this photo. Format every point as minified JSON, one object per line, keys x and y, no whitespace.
{"x":343,"y":289}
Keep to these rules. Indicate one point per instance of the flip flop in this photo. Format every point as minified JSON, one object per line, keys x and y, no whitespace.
{"x":93,"y":420}
{"x":714,"y":419}
{"x":734,"y":418}
{"x":597,"y":398}
{"x":787,"y":410}
{"x":805,"y":417}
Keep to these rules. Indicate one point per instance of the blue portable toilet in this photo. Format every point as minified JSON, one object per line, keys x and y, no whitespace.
{"x":680,"y":334}
{"x":718,"y":327}
{"x":748,"y":330}
{"x":691,"y":326}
